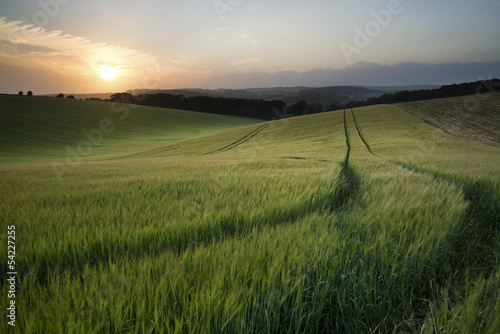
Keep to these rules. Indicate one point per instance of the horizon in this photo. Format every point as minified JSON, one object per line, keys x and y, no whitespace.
{"x":49,"y":47}
{"x":149,"y":91}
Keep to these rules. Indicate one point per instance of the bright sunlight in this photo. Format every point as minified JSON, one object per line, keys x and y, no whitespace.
{"x":107,"y":72}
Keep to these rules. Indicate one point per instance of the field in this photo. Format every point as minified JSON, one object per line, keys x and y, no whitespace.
{"x":38,"y":129}
{"x":356,"y":221}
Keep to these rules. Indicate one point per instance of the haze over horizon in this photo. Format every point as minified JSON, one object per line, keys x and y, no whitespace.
{"x":51,"y":46}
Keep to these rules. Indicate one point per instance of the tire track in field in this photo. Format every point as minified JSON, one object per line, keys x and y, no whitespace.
{"x":480,"y":223}
{"x":178,"y":145}
{"x":309,"y":159}
{"x":348,"y":143}
{"x":348,"y":183}
{"x":369,"y":149}
{"x":240,"y":141}
{"x":360,"y":135}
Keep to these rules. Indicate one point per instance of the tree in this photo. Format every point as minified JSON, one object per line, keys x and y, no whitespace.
{"x":20,"y":93}
{"x":299,"y":108}
{"x":60,"y":96}
{"x":70,"y":97}
{"x":315,"y":108}
{"x":30,"y":93}
{"x":335,"y":106}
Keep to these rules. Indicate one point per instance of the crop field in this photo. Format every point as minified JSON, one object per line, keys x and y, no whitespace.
{"x":358,"y":221}
{"x":40,"y":128}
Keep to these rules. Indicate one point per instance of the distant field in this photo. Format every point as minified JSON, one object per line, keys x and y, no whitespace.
{"x":357,"y":221}
{"x":40,"y":128}
{"x":474,"y":118}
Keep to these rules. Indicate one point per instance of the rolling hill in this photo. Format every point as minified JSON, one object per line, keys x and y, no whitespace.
{"x":34,"y":128}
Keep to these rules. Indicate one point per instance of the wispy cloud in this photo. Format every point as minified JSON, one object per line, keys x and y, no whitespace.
{"x":247,"y":40}
{"x":23,"y":45}
{"x":245,"y":63}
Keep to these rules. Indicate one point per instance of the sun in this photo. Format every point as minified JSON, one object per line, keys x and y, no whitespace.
{"x":107,"y":72}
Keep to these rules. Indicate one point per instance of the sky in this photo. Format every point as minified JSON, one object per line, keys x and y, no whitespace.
{"x":76,"y":46}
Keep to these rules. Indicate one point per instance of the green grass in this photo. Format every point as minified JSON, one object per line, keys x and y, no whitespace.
{"x":341,"y":222}
{"x":40,"y":128}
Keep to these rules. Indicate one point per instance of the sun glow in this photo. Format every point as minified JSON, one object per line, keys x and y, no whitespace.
{"x":107,"y":72}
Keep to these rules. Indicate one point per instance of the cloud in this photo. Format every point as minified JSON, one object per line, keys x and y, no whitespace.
{"x":52,"y":61}
{"x":362,"y":74}
{"x":247,"y":40}
{"x":244,"y":63}
{"x":27,"y":47}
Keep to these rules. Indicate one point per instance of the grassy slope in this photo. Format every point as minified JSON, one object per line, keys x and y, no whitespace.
{"x":290,"y":226}
{"x":40,"y":128}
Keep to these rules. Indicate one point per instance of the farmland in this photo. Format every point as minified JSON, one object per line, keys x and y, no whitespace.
{"x":39,"y":128}
{"x":363,"y":220}
{"x":474,"y":118}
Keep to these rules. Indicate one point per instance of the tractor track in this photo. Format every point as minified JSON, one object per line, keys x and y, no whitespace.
{"x":348,"y":183}
{"x":240,"y":141}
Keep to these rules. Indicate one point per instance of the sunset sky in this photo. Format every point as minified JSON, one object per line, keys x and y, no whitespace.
{"x":74,"y":46}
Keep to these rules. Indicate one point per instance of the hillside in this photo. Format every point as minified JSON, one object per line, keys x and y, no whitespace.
{"x":34,"y":128}
{"x":472,"y":117}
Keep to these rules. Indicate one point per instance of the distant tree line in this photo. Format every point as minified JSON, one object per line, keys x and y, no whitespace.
{"x":253,"y":108}
{"x":270,"y":109}
{"x":302,"y":108}
{"x":469,"y":88}
{"x":61,"y":96}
